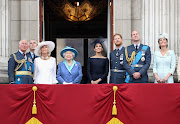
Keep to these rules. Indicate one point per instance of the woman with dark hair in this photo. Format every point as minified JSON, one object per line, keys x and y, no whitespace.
{"x":164,"y":61}
{"x":98,"y":65}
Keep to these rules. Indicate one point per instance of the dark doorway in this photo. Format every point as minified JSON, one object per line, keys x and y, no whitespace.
{"x":56,"y":26}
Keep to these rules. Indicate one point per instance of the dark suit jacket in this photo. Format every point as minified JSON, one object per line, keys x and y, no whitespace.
{"x":141,"y":70}
{"x":117,"y":77}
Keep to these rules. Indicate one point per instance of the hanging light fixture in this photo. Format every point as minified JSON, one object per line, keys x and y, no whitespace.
{"x":79,"y":11}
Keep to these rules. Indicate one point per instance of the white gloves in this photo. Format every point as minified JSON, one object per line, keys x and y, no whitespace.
{"x":67,"y":83}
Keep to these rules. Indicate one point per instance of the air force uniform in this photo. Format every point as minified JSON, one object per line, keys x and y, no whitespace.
{"x":118,"y":72}
{"x":137,"y":60}
{"x":32,"y":56}
{"x":20,"y":68}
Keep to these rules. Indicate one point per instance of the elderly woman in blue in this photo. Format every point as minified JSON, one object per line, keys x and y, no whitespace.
{"x":69,"y":70}
{"x":164,"y":61}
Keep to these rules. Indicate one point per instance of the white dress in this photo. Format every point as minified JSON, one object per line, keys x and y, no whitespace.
{"x":45,"y":71}
{"x":164,"y":64}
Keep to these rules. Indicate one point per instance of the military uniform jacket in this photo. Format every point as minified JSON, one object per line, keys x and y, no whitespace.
{"x":116,"y":62}
{"x":12,"y":64}
{"x":29,"y":55}
{"x":142,"y":70}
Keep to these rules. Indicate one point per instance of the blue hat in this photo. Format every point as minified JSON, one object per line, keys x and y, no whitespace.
{"x":98,"y":40}
{"x":68,"y":48}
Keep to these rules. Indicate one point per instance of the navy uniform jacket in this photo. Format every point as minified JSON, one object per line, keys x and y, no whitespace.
{"x":116,"y":63}
{"x":12,"y":64}
{"x":29,"y":55}
{"x":142,"y":70}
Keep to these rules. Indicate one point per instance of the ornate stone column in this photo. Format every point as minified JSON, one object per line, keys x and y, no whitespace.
{"x":160,"y":16}
{"x":4,"y":39}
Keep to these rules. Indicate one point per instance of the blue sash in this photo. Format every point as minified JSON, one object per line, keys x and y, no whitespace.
{"x":137,"y":58}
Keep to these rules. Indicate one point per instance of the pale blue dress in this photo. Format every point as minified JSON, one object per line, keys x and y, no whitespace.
{"x":164,"y":64}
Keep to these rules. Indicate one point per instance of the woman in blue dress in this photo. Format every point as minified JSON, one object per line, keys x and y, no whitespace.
{"x":98,"y":65}
{"x":69,"y":70}
{"x":164,"y":61}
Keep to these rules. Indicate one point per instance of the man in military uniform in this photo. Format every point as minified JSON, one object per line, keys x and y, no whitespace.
{"x":118,"y":72}
{"x":20,"y":66}
{"x":32,"y":46}
{"x":137,"y":60}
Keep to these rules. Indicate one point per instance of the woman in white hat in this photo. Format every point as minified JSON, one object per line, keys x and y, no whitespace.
{"x":45,"y":65}
{"x":69,"y":70}
{"x":164,"y":61}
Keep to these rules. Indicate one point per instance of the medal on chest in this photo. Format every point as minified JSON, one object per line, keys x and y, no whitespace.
{"x":143,"y":54}
{"x":121,"y":57}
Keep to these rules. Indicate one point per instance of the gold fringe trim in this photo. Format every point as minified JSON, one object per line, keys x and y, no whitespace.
{"x":115,"y":121}
{"x":33,"y":120}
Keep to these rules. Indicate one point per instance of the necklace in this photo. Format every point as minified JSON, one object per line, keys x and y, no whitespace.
{"x":45,"y":58}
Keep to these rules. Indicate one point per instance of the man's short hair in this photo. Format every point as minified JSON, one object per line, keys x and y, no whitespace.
{"x":22,"y":40}
{"x":117,"y":34}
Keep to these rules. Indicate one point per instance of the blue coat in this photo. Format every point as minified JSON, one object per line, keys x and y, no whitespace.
{"x":116,"y":63}
{"x":64,"y":75}
{"x":142,"y":70}
{"x":163,"y":65}
{"x":12,"y":64}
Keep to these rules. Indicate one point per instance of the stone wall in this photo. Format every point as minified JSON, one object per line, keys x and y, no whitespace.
{"x":18,"y":20}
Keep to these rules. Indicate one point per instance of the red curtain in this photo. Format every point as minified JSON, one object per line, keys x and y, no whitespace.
{"x":91,"y":104}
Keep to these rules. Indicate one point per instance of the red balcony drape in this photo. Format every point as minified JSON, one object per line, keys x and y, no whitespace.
{"x":91,"y":104}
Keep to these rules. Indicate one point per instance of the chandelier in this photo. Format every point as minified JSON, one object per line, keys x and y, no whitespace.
{"x":77,"y":11}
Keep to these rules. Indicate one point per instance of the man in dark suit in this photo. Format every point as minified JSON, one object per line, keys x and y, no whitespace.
{"x":137,"y":60}
{"x":20,"y":66}
{"x":116,"y":61}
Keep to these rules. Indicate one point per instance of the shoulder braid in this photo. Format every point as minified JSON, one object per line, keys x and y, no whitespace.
{"x":20,"y":62}
{"x":130,"y":60}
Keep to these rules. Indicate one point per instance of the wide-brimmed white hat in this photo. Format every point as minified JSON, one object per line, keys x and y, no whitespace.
{"x":163,"y":35}
{"x":43,"y":43}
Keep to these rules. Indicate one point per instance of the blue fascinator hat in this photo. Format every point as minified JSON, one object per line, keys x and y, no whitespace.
{"x":68,"y":48}
{"x":99,"y":40}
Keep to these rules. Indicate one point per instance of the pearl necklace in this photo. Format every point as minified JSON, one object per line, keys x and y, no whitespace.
{"x":45,"y":58}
